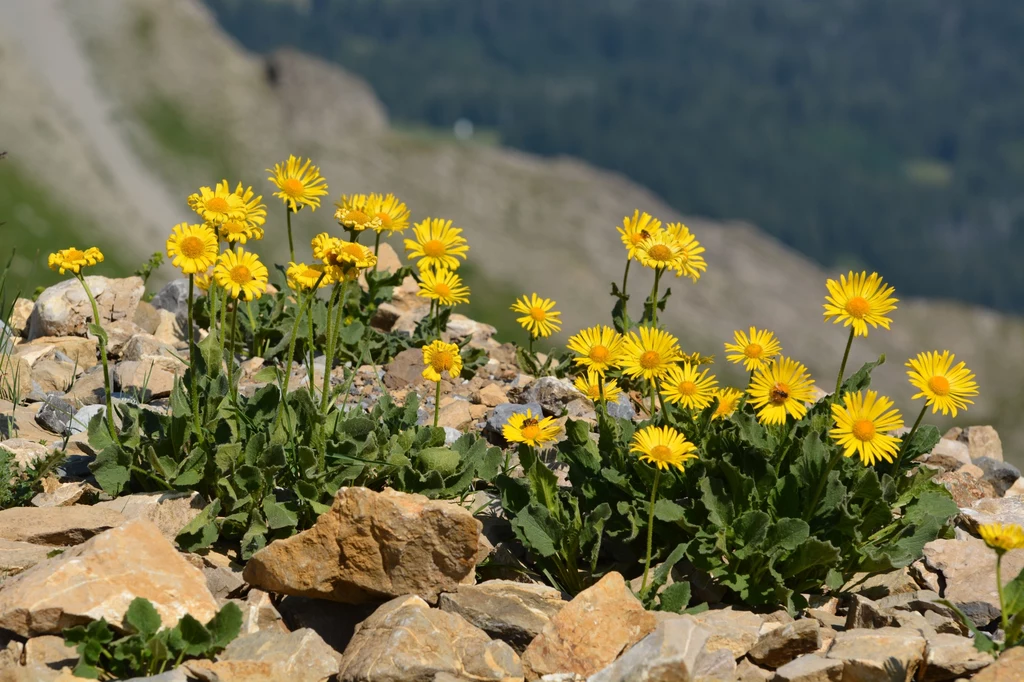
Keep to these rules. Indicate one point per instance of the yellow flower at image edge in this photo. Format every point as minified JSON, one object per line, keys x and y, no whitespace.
{"x":753,"y":350}
{"x":539,"y":317}
{"x":440,"y":357}
{"x":650,"y":353}
{"x":780,"y":389}
{"x":598,"y":348}
{"x":73,"y":260}
{"x":663,"y":446}
{"x":300,"y":184}
{"x":859,"y":300}
{"x":192,"y":248}
{"x":1002,"y":537}
{"x":688,"y":386}
{"x":863,"y":423}
{"x":530,"y":429}
{"x":945,"y":387}
{"x":590,"y":386}
{"x":301,"y":276}
{"x":242,"y":274}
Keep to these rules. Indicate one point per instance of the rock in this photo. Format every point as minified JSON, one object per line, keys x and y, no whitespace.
{"x":717,"y":665}
{"x":173,"y":298}
{"x":407,"y":640}
{"x":140,"y":346}
{"x":55,"y":415}
{"x":965,"y":488}
{"x":453,"y":415}
{"x":491,"y":395}
{"x":336,"y":623}
{"x":147,"y":379}
{"x":405,"y":370}
{"x":1016,"y":490}
{"x":993,"y":510}
{"x":20,"y":313}
{"x":811,"y":668}
{"x":52,"y":376}
{"x":16,"y":557}
{"x":552,"y":394}
{"x":500,"y":416}
{"x":1002,"y":475}
{"x":748,"y":672}
{"x":951,"y":656}
{"x":370,"y":546}
{"x":1009,"y":668}
{"x":64,"y":309}
{"x":259,"y":613}
{"x":882,"y":584}
{"x":622,"y":408}
{"x":736,"y":631}
{"x":170,"y":511}
{"x":56,"y":526}
{"x":385,"y":316}
{"x":512,"y":612}
{"x":170,"y":330}
{"x":146,"y":317}
{"x":882,"y":654}
{"x":968,"y":568}
{"x":982,"y":441}
{"x":268,"y":656}
{"x":80,"y":422}
{"x":15,"y":372}
{"x":461,"y":327}
{"x":88,"y":388}
{"x":26,"y":452}
{"x":80,"y":351}
{"x":865,"y":613}
{"x":781,"y":645}
{"x":590,"y":632}
{"x":951,"y":448}
{"x":100,"y":578}
{"x":51,"y":652}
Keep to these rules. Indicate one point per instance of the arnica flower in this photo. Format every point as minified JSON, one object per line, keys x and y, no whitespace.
{"x":649,"y":354}
{"x":354,"y":212}
{"x":393,"y":214}
{"x":444,"y":286}
{"x":530,"y":429}
{"x":346,"y":259}
{"x":249,"y":224}
{"x":204,"y":279}
{"x":755,"y":350}
{"x":863,"y":424}
{"x":1002,"y":537}
{"x":441,"y":357}
{"x":322,"y":245}
{"x":300,"y":184}
{"x":217,"y":205}
{"x":636,"y":229}
{"x":437,"y":244}
{"x":598,"y":348}
{"x":73,"y":260}
{"x":690,"y":263}
{"x":945,"y":387}
{"x":242,"y":274}
{"x":728,"y":401}
{"x":192,"y":248}
{"x":539,"y":317}
{"x":859,"y":300}
{"x":255,"y":209}
{"x":779,"y":389}
{"x":659,"y":251}
{"x":590,"y":386}
{"x":663,"y":446}
{"x":687,"y":386}
{"x":302,"y":277}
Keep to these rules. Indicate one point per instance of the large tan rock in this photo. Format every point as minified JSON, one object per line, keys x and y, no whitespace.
{"x":736,"y":631}
{"x":170,"y":511}
{"x":1009,"y":668}
{"x":811,"y":668}
{"x":370,"y":546}
{"x":80,"y":350}
{"x":590,"y":632}
{"x":949,"y":657}
{"x":669,"y":654}
{"x":407,"y":641}
{"x":16,"y":557}
{"x":272,"y":656}
{"x":512,"y":612}
{"x":56,"y":525}
{"x":781,"y":645}
{"x":969,"y":569}
{"x":64,"y":309}
{"x":100,"y":578}
{"x":884,"y":654}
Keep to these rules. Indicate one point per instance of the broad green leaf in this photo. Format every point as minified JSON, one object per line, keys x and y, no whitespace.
{"x":225,"y":626}
{"x":111,"y":470}
{"x":533,"y":525}
{"x":196,"y":637}
{"x":143,"y":617}
{"x":278,"y":516}
{"x":674,"y":598}
{"x":668,"y":511}
{"x":861,"y":379}
{"x":99,"y":332}
{"x":751,"y":528}
{"x":811,"y":553}
{"x":750,"y":430}
{"x":543,"y":483}
{"x":787,"y":534}
{"x":202,"y":530}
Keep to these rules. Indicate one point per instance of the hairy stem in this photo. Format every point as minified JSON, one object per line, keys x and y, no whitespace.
{"x":103,"y":350}
{"x":842,"y":367}
{"x":650,"y":531}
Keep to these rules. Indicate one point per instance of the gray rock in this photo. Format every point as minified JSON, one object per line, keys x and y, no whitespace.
{"x":781,"y":645}
{"x":300,"y":656}
{"x":80,"y":422}
{"x":670,"y":653}
{"x":811,"y":668}
{"x":451,"y":435}
{"x":622,"y":408}
{"x":553,"y":394}
{"x":176,"y":675}
{"x":6,"y":339}
{"x":883,"y":654}
{"x":174,"y":298}
{"x":949,"y":657}
{"x":1002,"y":475}
{"x":512,"y":612}
{"x":56,"y":415}
{"x":716,"y":665}
{"x":499,"y":417}
{"x":64,"y":308}
{"x":865,"y":613}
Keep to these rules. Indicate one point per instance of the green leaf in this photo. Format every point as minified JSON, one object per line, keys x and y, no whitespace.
{"x":861,"y":379}
{"x":100,"y":333}
{"x":787,"y":534}
{"x":674,"y":598}
{"x":201,"y":531}
{"x":278,"y":516}
{"x":225,"y":626}
{"x":925,"y":440}
{"x":750,"y":430}
{"x":196,"y":637}
{"x":811,"y":553}
{"x":142,"y":616}
{"x":534,"y":527}
{"x":668,"y":511}
{"x":543,"y":482}
{"x":751,"y":528}
{"x":358,"y":427}
{"x":268,"y":374}
{"x":111,"y":470}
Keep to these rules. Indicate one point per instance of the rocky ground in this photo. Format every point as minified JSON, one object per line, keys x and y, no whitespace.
{"x":384,"y":588}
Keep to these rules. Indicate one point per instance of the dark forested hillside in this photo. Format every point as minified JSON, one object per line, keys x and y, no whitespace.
{"x":861,"y":132}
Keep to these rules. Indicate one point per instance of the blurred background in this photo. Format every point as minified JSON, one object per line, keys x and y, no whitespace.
{"x":797,"y":139}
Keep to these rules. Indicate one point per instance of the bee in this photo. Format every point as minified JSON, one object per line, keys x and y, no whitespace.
{"x":779,"y":394}
{"x":530,"y":422}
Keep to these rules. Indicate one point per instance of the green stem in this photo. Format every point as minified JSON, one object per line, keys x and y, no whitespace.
{"x":252,"y":327}
{"x":654,"y":297}
{"x":291,"y":245}
{"x":906,"y":440}
{"x":437,"y":403}
{"x":625,"y":278}
{"x":223,"y":321}
{"x":650,"y":531}
{"x":531,"y":346}
{"x":310,"y":377}
{"x":192,"y":355}
{"x":103,"y":351}
{"x":654,"y":394}
{"x":376,"y":251}
{"x":821,"y":485}
{"x":842,"y":367}
{"x":603,"y":414}
{"x":999,"y":587}
{"x":329,"y":351}
{"x":291,"y":350}
{"x":231,"y":352}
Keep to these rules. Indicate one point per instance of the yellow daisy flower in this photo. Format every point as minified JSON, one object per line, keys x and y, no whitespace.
{"x":659,"y":251}
{"x":444,"y":286}
{"x":303,"y":277}
{"x":393,"y":214}
{"x":440,"y":357}
{"x":217,"y":205}
{"x":242,"y":274}
{"x":255,"y":209}
{"x":598,"y":348}
{"x":780,"y":388}
{"x":663,"y":446}
{"x":355,"y":212}
{"x":193,"y":248}
{"x":539,"y":317}
{"x":755,"y":350}
{"x":863,"y":423}
{"x":437,"y":244}
{"x":649,"y":354}
{"x":859,"y":300}
{"x":687,"y":386}
{"x":636,"y":229}
{"x":322,"y":244}
{"x":1002,"y":537}
{"x":346,"y":259}
{"x":946,"y":388}
{"x":590,"y":386}
{"x":74,"y":260}
{"x":690,"y":263}
{"x":239,"y":231}
{"x":728,"y":401}
{"x":300,"y":184}
{"x":204,"y":279}
{"x":530,"y":429}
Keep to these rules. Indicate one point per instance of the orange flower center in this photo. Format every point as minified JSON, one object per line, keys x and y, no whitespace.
{"x":217,"y":204}
{"x":863,"y":429}
{"x":662,"y":453}
{"x":599,"y":354}
{"x":353,"y":250}
{"x":650,"y":359}
{"x":232,"y":227}
{"x":939,"y":385}
{"x":73,"y":254}
{"x":355,"y":217}
{"x":434,"y":248}
{"x":858,"y":307}
{"x":385,"y":220}
{"x":442,"y":361}
{"x":779,"y":394}
{"x":192,"y":247}
{"x":530,"y":429}
{"x":660,"y":252}
{"x":240,"y":275}
{"x":687,"y":388}
{"x":442,"y":289}
{"x":293,"y":187}
{"x":753,"y":350}
{"x":538,"y":314}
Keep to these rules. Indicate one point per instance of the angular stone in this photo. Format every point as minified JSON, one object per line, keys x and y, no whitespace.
{"x":461,"y":327}
{"x":669,"y":654}
{"x":866,"y":614}
{"x":55,"y":415}
{"x":883,"y":654}
{"x":170,"y":511}
{"x":969,"y":569}
{"x":1009,"y":668}
{"x":150,"y":378}
{"x":15,"y":372}
{"x":407,"y":640}
{"x":736,"y":631}
{"x":336,"y":623}
{"x":811,"y":668}
{"x":142,"y":345}
{"x":405,"y":370}
{"x":56,"y":526}
{"x":370,"y":546}
{"x":951,"y":656}
{"x":947,"y":447}
{"x":965,"y":488}
{"x":81,"y":352}
{"x":982,"y":441}
{"x":100,"y":578}
{"x":51,"y":652}
{"x":882,"y":584}
{"x":259,"y":614}
{"x":147,"y":317}
{"x":269,"y":656}
{"x":1002,"y":475}
{"x":52,"y":376}
{"x":16,"y":557}
{"x":512,"y":612}
{"x":26,"y":452}
{"x":455,"y":414}
{"x":64,"y":309}
{"x":88,"y":389}
{"x":715,"y":666}
{"x":20,"y":313}
{"x":552,"y":394}
{"x":780,"y":646}
{"x":590,"y":632}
